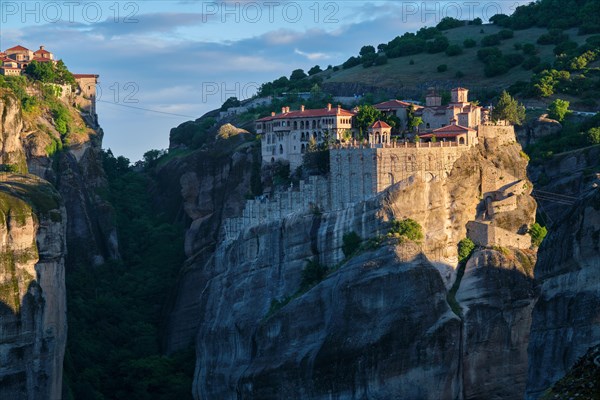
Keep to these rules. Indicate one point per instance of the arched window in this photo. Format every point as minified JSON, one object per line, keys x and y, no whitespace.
{"x":461,"y":140}
{"x":428,"y":125}
{"x":280,"y":149}
{"x":302,"y":149}
{"x":295,"y":124}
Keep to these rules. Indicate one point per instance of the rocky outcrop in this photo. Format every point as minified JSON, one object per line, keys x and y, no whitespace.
{"x":33,"y":326}
{"x":565,"y":318}
{"x":381,"y":324}
{"x":213,"y":186}
{"x":12,"y":155}
{"x":496,"y":294}
{"x":537,"y":129}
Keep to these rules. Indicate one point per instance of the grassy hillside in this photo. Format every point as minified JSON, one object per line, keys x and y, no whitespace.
{"x":399,"y":72}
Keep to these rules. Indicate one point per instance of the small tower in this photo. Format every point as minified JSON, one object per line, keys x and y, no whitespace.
{"x":433,"y":99}
{"x":460,"y":95}
{"x":379,"y":133}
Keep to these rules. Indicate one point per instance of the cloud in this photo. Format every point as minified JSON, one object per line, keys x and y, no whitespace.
{"x":313,"y":56}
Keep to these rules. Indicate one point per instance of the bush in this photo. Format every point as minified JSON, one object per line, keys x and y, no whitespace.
{"x":538,"y":233}
{"x":468,"y":43}
{"x":506,"y":34}
{"x":490,"y":40}
{"x":449,"y":23}
{"x":437,"y":45}
{"x":381,"y":59}
{"x":554,"y":36}
{"x":351,"y":62}
{"x":442,"y":68}
{"x":487,"y":54}
{"x":459,"y":74}
{"x":312,"y":274}
{"x":565,"y":47}
{"x":593,"y":136}
{"x":408,"y":228}
{"x":529,"y":49}
{"x":465,"y":249}
{"x":558,"y":109}
{"x":350,"y":243}
{"x":454,"y":50}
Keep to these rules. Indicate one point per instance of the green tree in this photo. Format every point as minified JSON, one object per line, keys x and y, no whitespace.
{"x":314,"y":70}
{"x":365,"y":50}
{"x":366,"y":116}
{"x":41,"y":71}
{"x":465,"y":249}
{"x":558,"y":109}
{"x":538,"y":233}
{"x":454,"y":50}
{"x":297,"y":75}
{"x":508,"y":109}
{"x":593,"y":135}
{"x":230,"y":102}
{"x":151,"y":157}
{"x":408,"y":228}
{"x":468,"y":43}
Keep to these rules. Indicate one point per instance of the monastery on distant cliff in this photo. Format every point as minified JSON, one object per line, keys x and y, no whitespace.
{"x":286,"y":136}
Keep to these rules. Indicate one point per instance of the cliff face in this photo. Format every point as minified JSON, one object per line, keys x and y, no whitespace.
{"x":33,"y":326}
{"x":380,"y":324}
{"x":58,"y":205}
{"x":212,"y":187}
{"x":565,"y":318}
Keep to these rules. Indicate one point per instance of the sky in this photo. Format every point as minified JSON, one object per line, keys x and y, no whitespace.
{"x":162,"y":63}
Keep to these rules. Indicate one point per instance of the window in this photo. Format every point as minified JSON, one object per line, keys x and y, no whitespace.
{"x":280,"y":149}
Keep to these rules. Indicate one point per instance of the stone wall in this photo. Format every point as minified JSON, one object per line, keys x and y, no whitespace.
{"x":311,"y":196}
{"x":356,"y":174}
{"x":487,"y":235}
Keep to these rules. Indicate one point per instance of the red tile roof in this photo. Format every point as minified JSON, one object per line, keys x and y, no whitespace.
{"x":380,"y":125}
{"x":41,"y":59}
{"x":319,"y":112}
{"x":455,"y":129}
{"x":458,"y":88}
{"x":439,"y":135}
{"x":18,"y":48}
{"x":41,"y":51}
{"x":392,"y":104}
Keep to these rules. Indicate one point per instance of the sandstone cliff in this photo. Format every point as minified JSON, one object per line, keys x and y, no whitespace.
{"x":565,"y":318}
{"x":381,"y":324}
{"x":33,"y":325}
{"x":42,"y":216}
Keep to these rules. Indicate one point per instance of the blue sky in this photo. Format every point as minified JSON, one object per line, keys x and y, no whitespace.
{"x":184,"y":58}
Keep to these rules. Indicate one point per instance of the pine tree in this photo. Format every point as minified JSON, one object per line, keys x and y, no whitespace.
{"x":508,"y":109}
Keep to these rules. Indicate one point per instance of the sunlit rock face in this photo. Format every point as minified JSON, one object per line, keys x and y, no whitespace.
{"x":566,"y":318}
{"x":33,"y":325}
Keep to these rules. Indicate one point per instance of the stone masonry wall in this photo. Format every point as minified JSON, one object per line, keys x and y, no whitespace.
{"x":486,"y":235}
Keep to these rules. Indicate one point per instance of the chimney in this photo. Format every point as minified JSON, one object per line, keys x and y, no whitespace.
{"x":339,"y":109}
{"x":302,"y":108}
{"x":283,"y":110}
{"x":287,"y":109}
{"x":272,"y":113}
{"x":41,"y":47}
{"x":328,"y":106}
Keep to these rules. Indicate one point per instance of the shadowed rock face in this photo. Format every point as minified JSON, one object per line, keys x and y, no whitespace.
{"x":497,"y":293}
{"x":33,"y":325}
{"x":566,"y":318}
